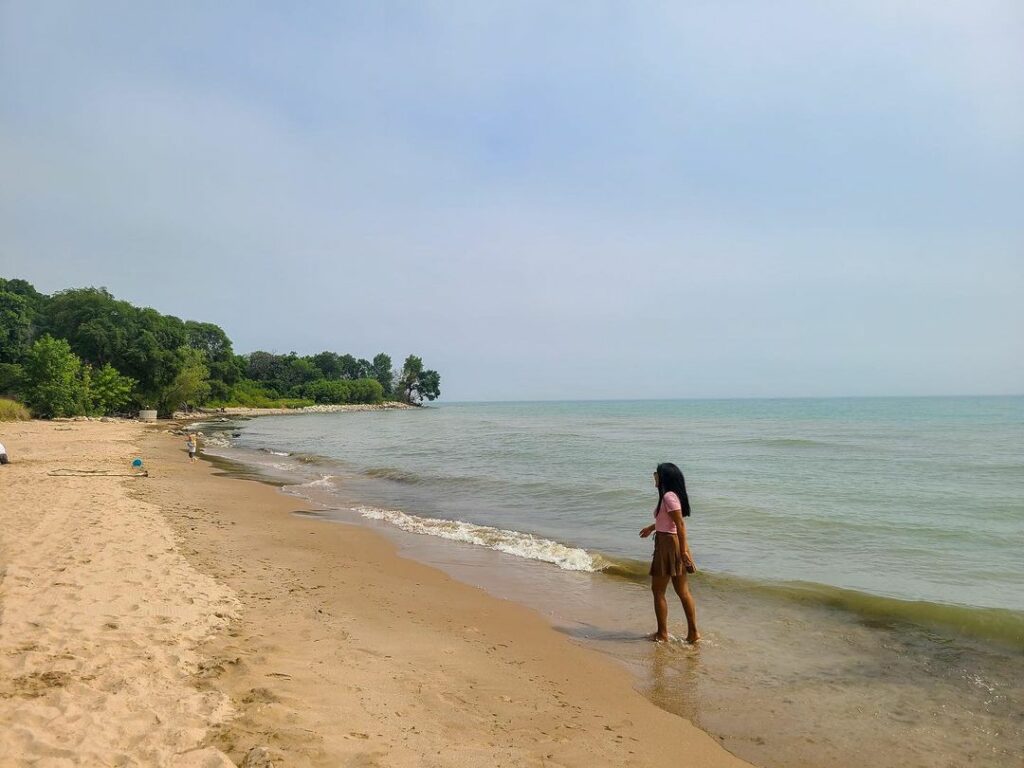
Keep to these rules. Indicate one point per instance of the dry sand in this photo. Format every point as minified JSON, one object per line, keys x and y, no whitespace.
{"x":100,"y":612}
{"x":182,"y":617}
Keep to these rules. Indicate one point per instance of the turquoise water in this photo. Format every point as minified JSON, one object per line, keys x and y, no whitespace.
{"x":920,"y":499}
{"x":862,"y":579}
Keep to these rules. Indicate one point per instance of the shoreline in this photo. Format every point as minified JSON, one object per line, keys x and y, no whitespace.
{"x":785,"y":678}
{"x":207,"y":415}
{"x":317,"y":643}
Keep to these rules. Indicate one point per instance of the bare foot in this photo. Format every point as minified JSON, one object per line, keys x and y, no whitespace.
{"x":693,"y":639}
{"x":657,"y":638}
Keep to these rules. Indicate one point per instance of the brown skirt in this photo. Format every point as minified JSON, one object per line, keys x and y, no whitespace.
{"x":667,"y":561}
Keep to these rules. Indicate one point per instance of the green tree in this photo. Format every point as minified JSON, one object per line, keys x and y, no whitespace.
{"x":53,"y":379}
{"x":26,"y":289}
{"x":109,"y":391}
{"x":94,"y":323}
{"x":209,"y":339}
{"x":351,"y":368}
{"x":21,"y":307}
{"x":223,"y":365}
{"x":224,"y":374}
{"x":417,"y":383}
{"x":15,"y":327}
{"x":329,"y":364}
{"x":282,"y":374}
{"x":190,"y":386}
{"x":260,"y":366}
{"x":160,"y":360}
{"x":294,"y":372}
{"x":380,"y":369}
{"x":11,"y":378}
{"x":138,"y":342}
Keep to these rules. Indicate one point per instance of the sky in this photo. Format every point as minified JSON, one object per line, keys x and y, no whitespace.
{"x":543,"y":200}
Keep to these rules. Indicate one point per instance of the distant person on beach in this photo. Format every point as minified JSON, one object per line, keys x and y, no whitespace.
{"x":672,"y":559}
{"x":3,"y":455}
{"x":192,"y":445}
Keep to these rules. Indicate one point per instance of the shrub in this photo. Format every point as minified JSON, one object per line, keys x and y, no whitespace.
{"x":12,"y":411}
{"x":337,"y":392}
{"x":249,"y":394}
{"x":53,"y":379}
{"x":109,"y":391}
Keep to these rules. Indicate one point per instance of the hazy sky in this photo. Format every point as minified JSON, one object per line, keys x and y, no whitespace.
{"x":544,"y":200}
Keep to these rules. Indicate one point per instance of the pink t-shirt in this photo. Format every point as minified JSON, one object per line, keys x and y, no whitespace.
{"x":663,"y":522}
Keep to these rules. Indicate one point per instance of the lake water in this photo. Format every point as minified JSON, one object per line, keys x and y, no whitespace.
{"x":862,"y":579}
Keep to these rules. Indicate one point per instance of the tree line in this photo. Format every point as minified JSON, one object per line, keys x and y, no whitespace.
{"x":83,"y":352}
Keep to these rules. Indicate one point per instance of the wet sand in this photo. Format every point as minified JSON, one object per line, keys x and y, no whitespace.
{"x":184,"y":617}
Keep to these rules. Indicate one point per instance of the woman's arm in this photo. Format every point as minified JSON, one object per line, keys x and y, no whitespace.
{"x":684,"y":548}
{"x":645,"y":532}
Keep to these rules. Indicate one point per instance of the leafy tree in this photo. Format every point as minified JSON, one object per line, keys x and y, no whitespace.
{"x":209,"y":339}
{"x":260,"y":366}
{"x":416,"y":383}
{"x":296,"y":371}
{"x":109,"y":391}
{"x":53,"y":379}
{"x":11,"y":377}
{"x":139,"y":342}
{"x":224,"y":374}
{"x":25,"y":289}
{"x":126,"y":351}
{"x":223,"y":364}
{"x":190,"y":385}
{"x":354,"y":369}
{"x":380,"y":369}
{"x":21,"y":307}
{"x":92,"y":321}
{"x":283,"y":374}
{"x":15,"y":327}
{"x":428,"y":386}
{"x":329,"y":364}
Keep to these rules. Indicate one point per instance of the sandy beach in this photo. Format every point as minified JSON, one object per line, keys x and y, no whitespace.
{"x":190,"y":619}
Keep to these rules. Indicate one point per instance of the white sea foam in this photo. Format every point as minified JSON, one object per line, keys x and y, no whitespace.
{"x":217,"y":440}
{"x":277,"y":453}
{"x":516,"y":543}
{"x":323,"y":482}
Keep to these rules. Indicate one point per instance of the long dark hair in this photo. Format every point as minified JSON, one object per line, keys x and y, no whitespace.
{"x":670,"y":478}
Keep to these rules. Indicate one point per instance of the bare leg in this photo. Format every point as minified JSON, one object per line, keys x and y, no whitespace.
{"x":659,"y":584}
{"x":689,"y":606}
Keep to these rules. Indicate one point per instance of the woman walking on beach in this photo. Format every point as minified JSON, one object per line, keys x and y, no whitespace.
{"x":672,"y":559}
{"x":191,"y":445}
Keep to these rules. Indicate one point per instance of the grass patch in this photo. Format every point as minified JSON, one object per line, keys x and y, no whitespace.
{"x":12,"y":411}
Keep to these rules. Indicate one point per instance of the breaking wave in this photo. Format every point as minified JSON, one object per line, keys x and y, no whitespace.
{"x":516,"y":543}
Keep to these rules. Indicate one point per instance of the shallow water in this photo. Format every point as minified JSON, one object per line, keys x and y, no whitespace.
{"x":827,"y":530}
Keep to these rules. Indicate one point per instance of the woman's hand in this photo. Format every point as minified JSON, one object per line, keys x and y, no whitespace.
{"x":691,"y":567}
{"x":645,"y":532}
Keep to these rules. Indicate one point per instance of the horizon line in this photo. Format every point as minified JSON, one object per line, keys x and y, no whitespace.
{"x":725,"y":399}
